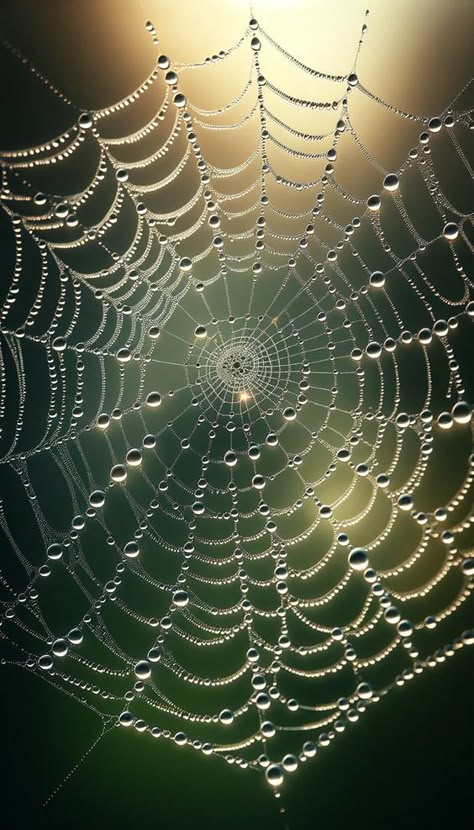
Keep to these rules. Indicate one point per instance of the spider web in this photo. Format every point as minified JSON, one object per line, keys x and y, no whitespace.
{"x":228,"y":399}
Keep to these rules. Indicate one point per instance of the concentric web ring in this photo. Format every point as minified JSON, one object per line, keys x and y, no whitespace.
{"x":241,"y":399}
{"x":256,"y":369}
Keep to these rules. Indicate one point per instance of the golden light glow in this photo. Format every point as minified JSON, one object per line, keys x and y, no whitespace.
{"x":244,"y":396}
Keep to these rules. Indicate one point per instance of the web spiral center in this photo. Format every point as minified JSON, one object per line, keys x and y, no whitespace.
{"x":238,"y":364}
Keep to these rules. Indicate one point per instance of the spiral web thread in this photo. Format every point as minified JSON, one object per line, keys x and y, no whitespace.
{"x":247,"y":400}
